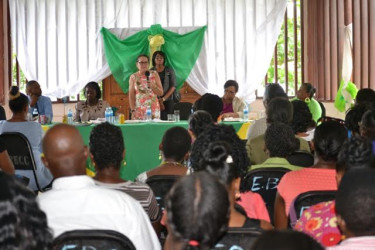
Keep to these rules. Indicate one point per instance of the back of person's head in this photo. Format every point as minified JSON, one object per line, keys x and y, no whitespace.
{"x":279,"y":109}
{"x":309,"y":89}
{"x":367,"y":127}
{"x":231,"y":83}
{"x":355,"y":202}
{"x":198,"y":121}
{"x":197,"y":211}
{"x":95,"y":86}
{"x":355,"y":153}
{"x":271,"y":91}
{"x":107,"y":145}
{"x":217,"y":160}
{"x":285,"y":240}
{"x":328,"y":140}
{"x":23,"y":224}
{"x":280,"y":140}
{"x":160,"y":53}
{"x":211,"y":103}
{"x":365,"y":97}
{"x":64,"y":151}
{"x":353,"y":117}
{"x":30,"y":83}
{"x":225,"y":133}
{"x":176,"y":143}
{"x":17,"y":100}
{"x":302,"y":117}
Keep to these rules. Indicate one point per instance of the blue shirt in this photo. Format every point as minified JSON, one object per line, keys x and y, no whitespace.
{"x":44,"y":107}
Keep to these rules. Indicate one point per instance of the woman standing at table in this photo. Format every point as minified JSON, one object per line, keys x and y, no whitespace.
{"x":144,"y":87}
{"x":168,"y":81}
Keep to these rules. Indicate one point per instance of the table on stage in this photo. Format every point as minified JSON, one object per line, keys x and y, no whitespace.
{"x":142,"y":144}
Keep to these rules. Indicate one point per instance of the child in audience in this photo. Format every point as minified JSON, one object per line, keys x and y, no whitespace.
{"x":328,"y":140}
{"x":355,"y":202}
{"x":197,"y":209}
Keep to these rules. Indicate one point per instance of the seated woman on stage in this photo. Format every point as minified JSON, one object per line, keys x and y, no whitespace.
{"x":168,"y":81}
{"x":144,"y":89}
{"x":93,"y":107}
{"x":232,"y":105}
{"x":174,"y":149}
{"x":19,"y":105}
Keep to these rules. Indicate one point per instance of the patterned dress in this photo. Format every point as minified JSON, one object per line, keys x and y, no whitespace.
{"x":144,"y":96}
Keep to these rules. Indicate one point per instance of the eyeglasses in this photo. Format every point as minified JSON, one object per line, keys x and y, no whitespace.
{"x":143,"y":62}
{"x":229,"y":92}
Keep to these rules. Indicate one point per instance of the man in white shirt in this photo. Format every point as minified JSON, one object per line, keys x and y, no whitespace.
{"x":75,"y":202}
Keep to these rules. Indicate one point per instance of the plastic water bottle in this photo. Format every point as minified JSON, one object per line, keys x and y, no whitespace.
{"x":112,"y":117}
{"x":107,"y":115}
{"x":70,"y":117}
{"x":148,"y":114}
{"x":245,"y":113}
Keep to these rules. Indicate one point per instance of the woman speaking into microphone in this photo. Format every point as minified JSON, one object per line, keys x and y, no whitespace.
{"x":144,"y":89}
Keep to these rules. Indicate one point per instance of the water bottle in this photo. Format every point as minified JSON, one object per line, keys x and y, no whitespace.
{"x":112,"y":117}
{"x":70,"y":117}
{"x":107,"y":115}
{"x":148,"y":114}
{"x":157,"y":114}
{"x":245,"y":113}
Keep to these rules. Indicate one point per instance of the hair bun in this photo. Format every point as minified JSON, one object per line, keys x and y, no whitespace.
{"x":216,"y":153}
{"x":14,"y":93}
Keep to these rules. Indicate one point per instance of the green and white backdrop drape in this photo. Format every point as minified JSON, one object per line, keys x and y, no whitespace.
{"x":59,"y":44}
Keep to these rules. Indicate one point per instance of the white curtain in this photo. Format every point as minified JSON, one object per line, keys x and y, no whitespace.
{"x":58,"y":43}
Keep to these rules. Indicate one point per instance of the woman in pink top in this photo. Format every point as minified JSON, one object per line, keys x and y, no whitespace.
{"x":328,"y":139}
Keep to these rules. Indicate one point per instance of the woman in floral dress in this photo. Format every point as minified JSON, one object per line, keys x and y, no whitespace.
{"x":144,"y":90}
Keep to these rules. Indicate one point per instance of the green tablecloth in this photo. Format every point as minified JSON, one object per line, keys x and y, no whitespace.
{"x":142,"y":144}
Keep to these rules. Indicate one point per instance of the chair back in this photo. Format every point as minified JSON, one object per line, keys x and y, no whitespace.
{"x":184,"y":108}
{"x":160,"y":185}
{"x":306,"y":200}
{"x":92,"y":239}
{"x":238,"y":238}
{"x":264,"y":181}
{"x":20,"y":152}
{"x":323,"y":109}
{"x":301,"y":158}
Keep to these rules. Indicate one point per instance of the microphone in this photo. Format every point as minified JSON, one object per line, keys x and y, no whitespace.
{"x":147,"y":74}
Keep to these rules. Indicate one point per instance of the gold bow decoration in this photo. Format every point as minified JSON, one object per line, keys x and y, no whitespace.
{"x":155,"y":44}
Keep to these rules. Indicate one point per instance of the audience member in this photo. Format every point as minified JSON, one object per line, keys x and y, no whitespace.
{"x":107,"y":152}
{"x":278,"y":110}
{"x":174,"y":149}
{"x":320,"y":221}
{"x":367,"y":127}
{"x":366,"y":97}
{"x":232,"y":105}
{"x":355,"y":202}
{"x":93,"y":107}
{"x":353,"y":118}
{"x":38,"y":102}
{"x":23,"y":224}
{"x":198,"y":121}
{"x":2,"y":113}
{"x":280,"y":142}
{"x":75,"y":202}
{"x":302,"y":123}
{"x":285,"y":240}
{"x":328,"y":140}
{"x":306,"y":93}
{"x":197,"y":209}
{"x":211,"y":103}
{"x":6,"y":164}
{"x":251,"y":202}
{"x":259,"y":127}
{"x":19,"y":105}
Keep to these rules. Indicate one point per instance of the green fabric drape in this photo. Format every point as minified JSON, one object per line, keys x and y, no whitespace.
{"x":182,"y":51}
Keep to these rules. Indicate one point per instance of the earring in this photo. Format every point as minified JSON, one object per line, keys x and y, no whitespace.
{"x":124,"y":163}
{"x":160,"y":155}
